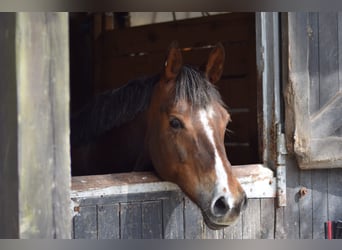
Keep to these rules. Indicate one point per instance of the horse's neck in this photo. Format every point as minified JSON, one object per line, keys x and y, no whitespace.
{"x":120,"y":150}
{"x":129,"y":139}
{"x":136,"y":135}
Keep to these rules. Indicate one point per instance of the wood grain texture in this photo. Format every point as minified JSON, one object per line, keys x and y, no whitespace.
{"x":130,"y":220}
{"x":305,"y":205}
{"x":173,"y":217}
{"x":193,"y":220}
{"x":85,"y":223}
{"x":313,"y":34}
{"x":234,"y":231}
{"x":267,"y":211}
{"x":334,"y":194}
{"x":108,"y":221}
{"x":43,"y":125}
{"x":319,"y":202}
{"x":251,"y":220}
{"x":328,"y":56}
{"x":59,"y":97}
{"x":152,"y":223}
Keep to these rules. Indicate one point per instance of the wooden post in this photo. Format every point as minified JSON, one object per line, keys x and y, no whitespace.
{"x":39,"y":86}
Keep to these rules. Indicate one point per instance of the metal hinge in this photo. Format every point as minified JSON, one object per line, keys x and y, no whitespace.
{"x":281,"y":167}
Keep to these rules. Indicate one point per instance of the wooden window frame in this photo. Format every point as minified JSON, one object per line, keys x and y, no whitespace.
{"x":310,"y":134}
{"x":265,"y":180}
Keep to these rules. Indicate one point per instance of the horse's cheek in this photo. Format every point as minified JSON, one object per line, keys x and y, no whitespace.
{"x":181,"y":153}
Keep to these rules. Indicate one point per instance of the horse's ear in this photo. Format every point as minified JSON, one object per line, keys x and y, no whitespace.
{"x":173,"y":62}
{"x":214,"y":67}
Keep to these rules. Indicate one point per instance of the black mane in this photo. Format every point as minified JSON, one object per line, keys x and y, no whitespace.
{"x":116,"y":107}
{"x":111,"y":109}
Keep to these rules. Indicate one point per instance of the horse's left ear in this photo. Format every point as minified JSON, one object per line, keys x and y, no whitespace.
{"x":173,"y":62}
{"x":214,"y":67}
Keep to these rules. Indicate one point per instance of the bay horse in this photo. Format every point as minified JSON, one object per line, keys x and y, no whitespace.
{"x":173,"y":122}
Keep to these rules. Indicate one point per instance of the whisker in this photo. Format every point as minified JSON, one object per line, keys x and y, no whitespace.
{"x":228,"y":131}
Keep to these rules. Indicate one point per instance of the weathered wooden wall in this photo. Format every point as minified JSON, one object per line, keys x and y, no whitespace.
{"x":35,"y":155}
{"x":139,"y":206}
{"x":316,"y":44}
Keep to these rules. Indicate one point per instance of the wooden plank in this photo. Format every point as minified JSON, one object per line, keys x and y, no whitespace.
{"x":43,"y":124}
{"x":334,"y":194}
{"x":251,"y":220}
{"x":327,"y":120}
{"x":34,"y":103}
{"x":313,"y":34}
{"x":229,"y":27}
{"x":305,"y":205}
{"x":152,"y":227}
{"x":9,"y":182}
{"x":59,"y":96}
{"x":97,"y":185}
{"x":234,"y":231}
{"x":108,"y":221}
{"x":326,"y":152}
{"x":117,"y":198}
{"x":104,"y":189}
{"x":85,"y":223}
{"x":267,"y":217}
{"x":115,"y":71}
{"x":212,"y":234}
{"x":299,"y":84}
{"x":130,"y":220}
{"x":279,"y":218}
{"x":328,"y":56}
{"x":340,"y":49}
{"x":193,"y":220}
{"x":173,"y":219}
{"x":83,"y":183}
{"x":319,"y":202}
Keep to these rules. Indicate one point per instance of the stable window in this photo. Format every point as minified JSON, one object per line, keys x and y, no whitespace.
{"x":106,"y":52}
{"x":36,"y":154}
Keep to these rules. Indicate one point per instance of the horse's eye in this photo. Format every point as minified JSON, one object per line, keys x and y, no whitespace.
{"x":176,"y":123}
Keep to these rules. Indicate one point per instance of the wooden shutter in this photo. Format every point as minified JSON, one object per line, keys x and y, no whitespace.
{"x":314,"y":90}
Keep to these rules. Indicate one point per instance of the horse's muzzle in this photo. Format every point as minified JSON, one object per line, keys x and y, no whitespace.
{"x":221,"y":214}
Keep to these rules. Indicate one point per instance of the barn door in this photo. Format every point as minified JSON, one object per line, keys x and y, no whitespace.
{"x":314,"y":91}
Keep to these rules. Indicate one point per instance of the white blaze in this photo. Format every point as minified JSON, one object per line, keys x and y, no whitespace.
{"x":221,"y":175}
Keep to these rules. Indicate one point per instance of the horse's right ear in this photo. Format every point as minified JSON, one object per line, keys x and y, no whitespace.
{"x":214,"y":67}
{"x":173,"y":62}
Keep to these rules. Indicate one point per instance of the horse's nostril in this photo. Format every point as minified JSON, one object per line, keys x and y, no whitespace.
{"x":221,"y":206}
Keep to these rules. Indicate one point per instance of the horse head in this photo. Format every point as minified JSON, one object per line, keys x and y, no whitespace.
{"x":185,"y":138}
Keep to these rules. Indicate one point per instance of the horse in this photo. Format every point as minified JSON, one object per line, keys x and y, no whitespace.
{"x":173,"y":123}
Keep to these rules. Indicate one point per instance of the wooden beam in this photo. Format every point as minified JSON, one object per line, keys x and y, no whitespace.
{"x":43,"y":125}
{"x":257,"y":181}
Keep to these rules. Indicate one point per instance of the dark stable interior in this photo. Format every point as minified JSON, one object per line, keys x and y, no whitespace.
{"x":105,"y":53}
